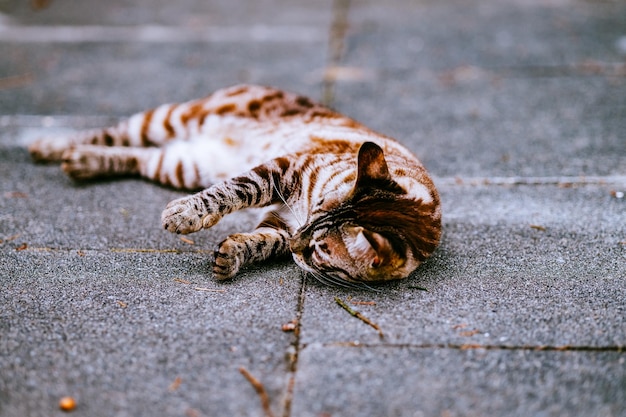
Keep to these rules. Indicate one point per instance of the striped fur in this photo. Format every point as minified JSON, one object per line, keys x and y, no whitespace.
{"x":350,"y":205}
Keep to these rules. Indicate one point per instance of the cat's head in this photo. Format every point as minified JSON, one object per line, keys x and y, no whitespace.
{"x":379,"y":232}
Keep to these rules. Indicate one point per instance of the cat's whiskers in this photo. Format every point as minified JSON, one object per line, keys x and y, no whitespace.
{"x":300,"y":222}
{"x":331,"y":281}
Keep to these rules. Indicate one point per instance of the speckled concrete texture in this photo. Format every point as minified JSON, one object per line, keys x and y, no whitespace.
{"x":516,"y":107}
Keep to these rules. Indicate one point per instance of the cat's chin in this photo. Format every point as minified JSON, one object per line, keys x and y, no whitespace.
{"x":325,"y":279}
{"x":297,"y":258}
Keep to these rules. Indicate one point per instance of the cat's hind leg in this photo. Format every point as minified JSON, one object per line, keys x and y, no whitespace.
{"x":172,"y":166}
{"x":85,"y":162}
{"x":151,"y":128}
{"x":51,"y":149}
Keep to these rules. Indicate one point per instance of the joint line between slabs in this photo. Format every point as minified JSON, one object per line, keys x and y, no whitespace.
{"x":28,"y":248}
{"x":564,"y":181}
{"x":293,"y":365}
{"x":160,"y":34}
{"x":471,"y":346}
{"x":336,"y":42}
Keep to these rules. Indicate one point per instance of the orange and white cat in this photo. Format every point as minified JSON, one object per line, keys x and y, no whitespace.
{"x":352,"y":206}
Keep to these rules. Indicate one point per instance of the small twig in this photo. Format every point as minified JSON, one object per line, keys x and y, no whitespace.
{"x":359,"y":316}
{"x":208,"y":289}
{"x":363,"y":303}
{"x":142,"y":250}
{"x":187,"y":240}
{"x":10,"y":238}
{"x":260,"y":389}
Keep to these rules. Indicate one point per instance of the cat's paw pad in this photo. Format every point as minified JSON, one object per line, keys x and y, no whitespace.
{"x":81,"y":163}
{"x":228,"y":259}
{"x":187,"y":215}
{"x":48,"y":149}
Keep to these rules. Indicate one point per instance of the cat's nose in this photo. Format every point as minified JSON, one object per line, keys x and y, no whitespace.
{"x":297,"y":244}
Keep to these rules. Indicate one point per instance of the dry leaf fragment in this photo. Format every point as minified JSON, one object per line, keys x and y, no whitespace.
{"x":122,"y":304}
{"x":538,"y":227}
{"x":175,"y":384}
{"x":16,"y":81}
{"x":15,"y":194}
{"x":470,"y":346}
{"x":192,"y":412}
{"x":186,"y":240}
{"x":23,"y":246}
{"x":289,"y":327}
{"x":67,"y":403}
{"x":348,"y":74}
{"x":10,"y":238}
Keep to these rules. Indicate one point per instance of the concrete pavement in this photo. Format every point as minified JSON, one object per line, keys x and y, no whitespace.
{"x":518,"y":108}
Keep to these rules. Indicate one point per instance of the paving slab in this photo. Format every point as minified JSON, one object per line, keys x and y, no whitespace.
{"x":519,"y":126}
{"x":510,"y":33}
{"x":46,"y":209}
{"x":123,"y":78}
{"x":185,"y":13}
{"x":517,"y":109}
{"x":407,"y":381}
{"x":129,"y":334}
{"x":556,"y":109}
{"x":521,"y":266}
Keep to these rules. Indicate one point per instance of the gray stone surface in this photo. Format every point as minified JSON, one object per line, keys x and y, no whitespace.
{"x":116,"y":330}
{"x":515,"y":126}
{"x":122,"y":78}
{"x":497,"y":279}
{"x":407,"y":381}
{"x":518,"y":109}
{"x":524,"y":88}
{"x":162,"y":12}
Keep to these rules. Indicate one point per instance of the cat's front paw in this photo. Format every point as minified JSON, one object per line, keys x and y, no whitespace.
{"x":229,"y":257}
{"x":187,"y":215}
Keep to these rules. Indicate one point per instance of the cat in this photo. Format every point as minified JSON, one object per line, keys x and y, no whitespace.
{"x":350,"y":205}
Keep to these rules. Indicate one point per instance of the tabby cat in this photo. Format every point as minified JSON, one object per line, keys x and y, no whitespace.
{"x":351,"y":206}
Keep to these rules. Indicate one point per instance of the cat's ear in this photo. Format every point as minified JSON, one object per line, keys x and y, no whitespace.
{"x":373,"y":247}
{"x":372,"y":167}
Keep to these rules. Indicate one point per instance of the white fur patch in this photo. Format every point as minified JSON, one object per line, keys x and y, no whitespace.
{"x":415,"y":189}
{"x":357,"y":244}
